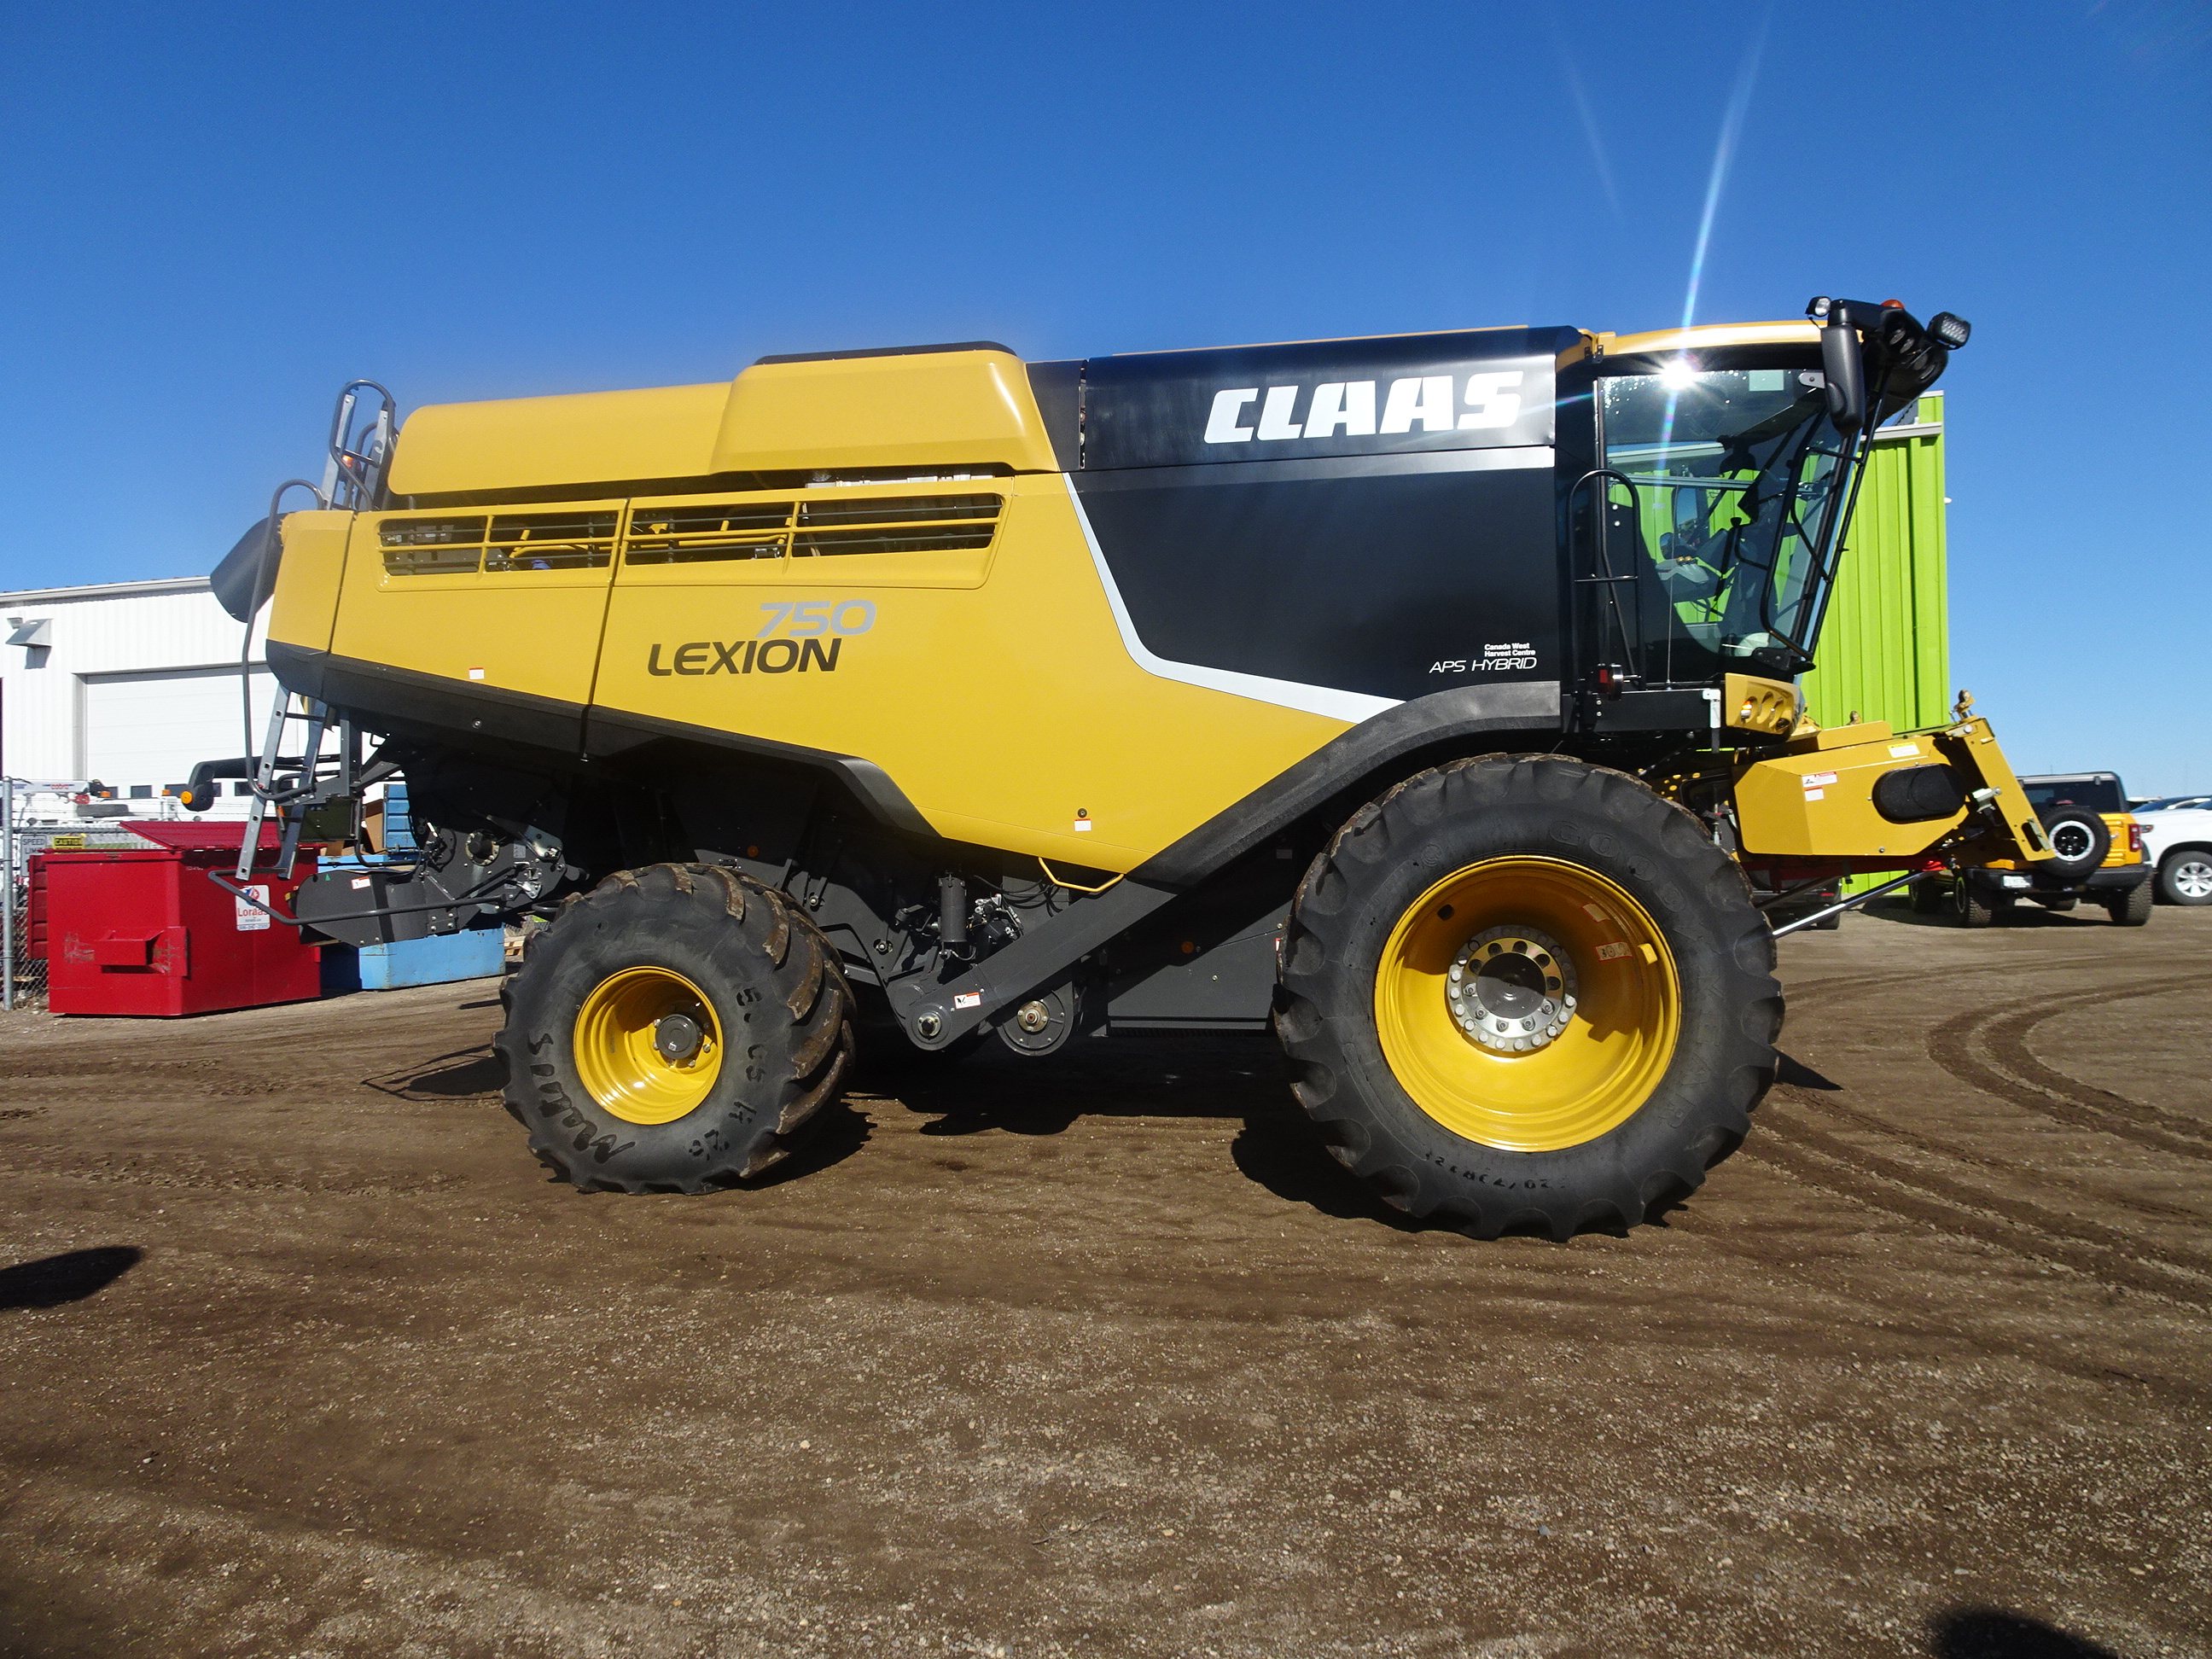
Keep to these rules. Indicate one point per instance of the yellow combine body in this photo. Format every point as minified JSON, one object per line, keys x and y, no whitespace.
{"x":1416,"y":694}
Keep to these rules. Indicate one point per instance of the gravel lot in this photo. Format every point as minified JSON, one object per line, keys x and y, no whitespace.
{"x":1100,"y":1355}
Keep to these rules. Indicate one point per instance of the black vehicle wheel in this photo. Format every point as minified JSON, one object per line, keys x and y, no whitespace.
{"x":2185,"y":877}
{"x":2080,"y":839}
{"x":1527,"y":991}
{"x":1931,"y":895}
{"x":673,"y":1031}
{"x":1977,"y":908}
{"x":2132,"y":908}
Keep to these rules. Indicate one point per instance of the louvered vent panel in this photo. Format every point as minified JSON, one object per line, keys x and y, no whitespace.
{"x":424,"y":547}
{"x":551,"y":541}
{"x":728,"y":530}
{"x":899,"y":524}
{"x":899,"y":509}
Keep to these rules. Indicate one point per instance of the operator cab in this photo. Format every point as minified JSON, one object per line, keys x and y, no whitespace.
{"x":1726,"y":461}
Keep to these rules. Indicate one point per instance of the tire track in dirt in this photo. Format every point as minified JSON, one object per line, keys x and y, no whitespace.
{"x":172,"y":1173}
{"x":2014,"y":1074}
{"x":1985,"y":1335}
{"x":1836,"y":1112}
{"x":2041,"y":1008}
{"x":1811,"y":1155}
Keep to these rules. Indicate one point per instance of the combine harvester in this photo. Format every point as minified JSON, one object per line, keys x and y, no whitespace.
{"x":1426,"y":697}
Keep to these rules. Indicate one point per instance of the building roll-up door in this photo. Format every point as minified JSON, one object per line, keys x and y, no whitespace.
{"x":150,"y":728}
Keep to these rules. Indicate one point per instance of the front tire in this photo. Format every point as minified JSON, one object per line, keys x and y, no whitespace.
{"x":1608,"y":1029}
{"x":1977,"y":909}
{"x":673,"y":1031}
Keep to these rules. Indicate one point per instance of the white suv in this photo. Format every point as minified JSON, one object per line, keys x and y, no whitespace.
{"x":2177,"y":836}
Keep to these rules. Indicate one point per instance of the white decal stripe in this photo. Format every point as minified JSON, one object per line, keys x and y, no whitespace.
{"x":1349,"y":706}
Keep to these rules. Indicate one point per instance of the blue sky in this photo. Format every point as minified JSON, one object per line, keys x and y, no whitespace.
{"x":213,"y":215}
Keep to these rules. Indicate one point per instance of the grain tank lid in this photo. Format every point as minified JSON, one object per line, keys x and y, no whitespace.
{"x":559,"y":442}
{"x":963,"y":407}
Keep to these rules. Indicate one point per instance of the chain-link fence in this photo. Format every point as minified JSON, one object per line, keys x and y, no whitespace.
{"x":36,"y":819}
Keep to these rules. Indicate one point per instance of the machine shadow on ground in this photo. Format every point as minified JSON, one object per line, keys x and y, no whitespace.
{"x":2022,"y":915}
{"x":53,"y":1281}
{"x":1234,"y":1076}
{"x":1995,"y":1634}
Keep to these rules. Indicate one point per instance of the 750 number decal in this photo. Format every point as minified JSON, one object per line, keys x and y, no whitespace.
{"x":803,"y":635}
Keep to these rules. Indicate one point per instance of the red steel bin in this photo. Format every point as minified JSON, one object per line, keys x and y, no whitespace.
{"x":145,"y":932}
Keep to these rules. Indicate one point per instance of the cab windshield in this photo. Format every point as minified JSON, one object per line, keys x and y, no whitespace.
{"x":1728,"y":483}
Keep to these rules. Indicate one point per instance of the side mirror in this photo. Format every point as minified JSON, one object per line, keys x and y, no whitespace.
{"x":1846,"y":369}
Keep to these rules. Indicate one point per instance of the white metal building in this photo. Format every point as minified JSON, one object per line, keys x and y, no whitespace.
{"x":129,"y":683}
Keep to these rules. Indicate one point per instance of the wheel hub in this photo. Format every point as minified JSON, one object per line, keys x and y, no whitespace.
{"x":648,"y":1046}
{"x":1527,"y":1004}
{"x":1512,"y":989}
{"x":2193,"y":878}
{"x":677,"y":1037}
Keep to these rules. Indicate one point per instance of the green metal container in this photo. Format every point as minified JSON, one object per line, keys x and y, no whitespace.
{"x":1885,"y":649}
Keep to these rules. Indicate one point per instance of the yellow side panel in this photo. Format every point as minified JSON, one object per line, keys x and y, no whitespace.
{"x":305,"y":602}
{"x":935,"y":409}
{"x":1008,"y":712}
{"x":517,"y":443}
{"x":1819,"y":802}
{"x":511,"y":628}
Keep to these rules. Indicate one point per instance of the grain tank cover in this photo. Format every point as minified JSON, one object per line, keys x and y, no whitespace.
{"x":588,"y":438}
{"x":937,"y":407}
{"x":928,"y":408}
{"x":1476,"y":389}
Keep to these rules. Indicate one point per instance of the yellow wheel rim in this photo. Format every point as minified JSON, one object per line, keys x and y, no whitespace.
{"x":648,"y":1047}
{"x":1527,"y":933}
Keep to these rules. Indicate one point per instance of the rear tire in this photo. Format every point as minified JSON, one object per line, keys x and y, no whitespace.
{"x":1641,"y":1065}
{"x":1930,"y":897}
{"x":655,"y":957}
{"x":2132,"y":908}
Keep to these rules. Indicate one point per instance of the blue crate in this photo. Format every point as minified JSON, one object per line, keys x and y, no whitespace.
{"x":398,"y":827}
{"x":438,"y":960}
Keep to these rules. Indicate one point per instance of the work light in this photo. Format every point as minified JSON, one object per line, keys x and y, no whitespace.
{"x":1948,"y":331}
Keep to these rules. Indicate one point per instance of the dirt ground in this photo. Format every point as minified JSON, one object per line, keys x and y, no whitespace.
{"x":1099,"y":1355}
